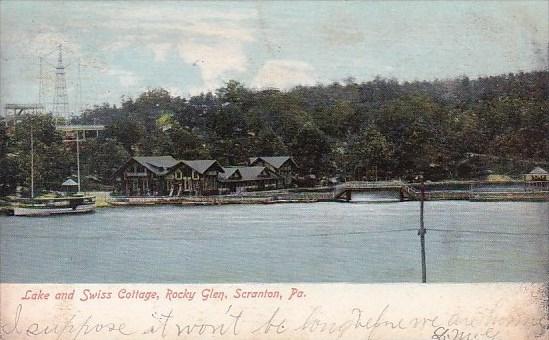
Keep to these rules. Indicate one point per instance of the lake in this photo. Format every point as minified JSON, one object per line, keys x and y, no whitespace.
{"x":370,"y":240}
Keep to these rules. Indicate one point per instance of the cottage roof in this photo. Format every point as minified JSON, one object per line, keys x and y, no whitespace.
{"x":228,"y":172}
{"x":159,"y":165}
{"x":276,"y":161}
{"x":249,"y":173}
{"x":203,"y":165}
{"x":538,"y":171}
{"x":69,"y":182}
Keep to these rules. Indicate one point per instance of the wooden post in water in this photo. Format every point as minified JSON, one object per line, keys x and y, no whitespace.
{"x":422,"y":232}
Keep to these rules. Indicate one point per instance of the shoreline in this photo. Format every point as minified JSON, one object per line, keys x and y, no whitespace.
{"x":342,"y":193}
{"x":8,"y":210}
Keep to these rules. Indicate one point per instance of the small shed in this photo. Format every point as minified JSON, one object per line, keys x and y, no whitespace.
{"x":69,"y":186}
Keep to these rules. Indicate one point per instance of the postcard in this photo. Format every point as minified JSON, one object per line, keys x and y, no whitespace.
{"x":274,"y":170}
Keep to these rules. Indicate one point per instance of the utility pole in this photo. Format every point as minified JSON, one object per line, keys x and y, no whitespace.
{"x":32,"y":162}
{"x":79,"y":108}
{"x":71,"y":129}
{"x":422,"y":232}
{"x":78,"y":159}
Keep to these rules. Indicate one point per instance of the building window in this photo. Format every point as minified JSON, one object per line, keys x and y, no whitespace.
{"x":178,"y":175}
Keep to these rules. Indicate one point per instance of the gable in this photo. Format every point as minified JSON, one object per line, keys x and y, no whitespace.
{"x":186,"y":171}
{"x":274,"y":161}
{"x":538,"y":171}
{"x":131,"y":165}
{"x":235,"y":175}
{"x":203,"y":166}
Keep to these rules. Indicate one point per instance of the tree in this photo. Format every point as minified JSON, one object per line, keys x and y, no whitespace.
{"x":128,"y":132}
{"x":100,"y":158}
{"x":311,"y":147}
{"x":10,"y":173}
{"x":441,"y":128}
{"x":187,"y":145}
{"x":53,"y":161}
{"x":371,"y":150}
{"x":335,"y":120}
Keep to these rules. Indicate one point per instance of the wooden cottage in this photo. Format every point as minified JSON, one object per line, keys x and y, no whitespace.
{"x":166,"y":176}
{"x":283,"y":166}
{"x":144,"y":176}
{"x":196,"y":177}
{"x":248,"y":178}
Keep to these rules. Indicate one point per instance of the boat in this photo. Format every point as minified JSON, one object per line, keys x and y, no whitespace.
{"x":47,"y":206}
{"x":69,"y":203}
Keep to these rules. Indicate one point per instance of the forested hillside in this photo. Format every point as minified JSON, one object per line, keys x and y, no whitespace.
{"x":460,"y":128}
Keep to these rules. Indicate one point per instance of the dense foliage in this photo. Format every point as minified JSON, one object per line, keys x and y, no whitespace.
{"x":459,"y":128}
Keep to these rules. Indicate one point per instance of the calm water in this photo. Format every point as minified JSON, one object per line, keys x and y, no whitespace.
{"x":321,"y":242}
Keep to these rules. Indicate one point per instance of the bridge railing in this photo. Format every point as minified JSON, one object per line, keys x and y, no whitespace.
{"x":369,"y":184}
{"x":353,"y":185}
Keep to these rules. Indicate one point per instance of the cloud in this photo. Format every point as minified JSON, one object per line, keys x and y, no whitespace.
{"x":209,"y":38}
{"x":160,"y":51}
{"x":215,"y":60}
{"x":177,"y":12}
{"x":159,"y":23}
{"x":342,"y":37}
{"x":126,"y":79}
{"x":32,"y":44}
{"x":284,"y":74}
{"x":175,"y":91}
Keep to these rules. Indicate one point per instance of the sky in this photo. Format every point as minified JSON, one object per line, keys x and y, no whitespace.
{"x":116,"y":49}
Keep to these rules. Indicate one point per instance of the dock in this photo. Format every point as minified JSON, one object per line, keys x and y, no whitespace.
{"x":435,"y":191}
{"x":255,"y":198}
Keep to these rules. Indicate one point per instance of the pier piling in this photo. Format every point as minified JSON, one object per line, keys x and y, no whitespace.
{"x":422,"y":233}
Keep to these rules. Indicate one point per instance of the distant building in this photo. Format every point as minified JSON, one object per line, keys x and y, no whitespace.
{"x":14,"y":113}
{"x":166,"y":176}
{"x":537,"y":174}
{"x":144,"y":176}
{"x":197,"y":177}
{"x":248,"y":178}
{"x":537,"y":180}
{"x":69,"y":186}
{"x":283,"y":166}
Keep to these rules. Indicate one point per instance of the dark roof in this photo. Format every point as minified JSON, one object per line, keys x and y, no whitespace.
{"x":159,"y":165}
{"x":276,"y":161}
{"x":228,"y":172}
{"x":249,"y":173}
{"x":203,"y":165}
{"x":538,"y":171}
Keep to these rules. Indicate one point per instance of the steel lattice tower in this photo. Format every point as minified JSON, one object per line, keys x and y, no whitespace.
{"x":60,"y":101}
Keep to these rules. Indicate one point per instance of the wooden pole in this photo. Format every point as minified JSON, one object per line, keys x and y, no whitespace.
{"x":32,"y":161}
{"x":421,"y":233}
{"x":78,"y":159}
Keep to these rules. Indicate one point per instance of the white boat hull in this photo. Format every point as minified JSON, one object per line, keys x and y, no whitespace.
{"x":46,"y":211}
